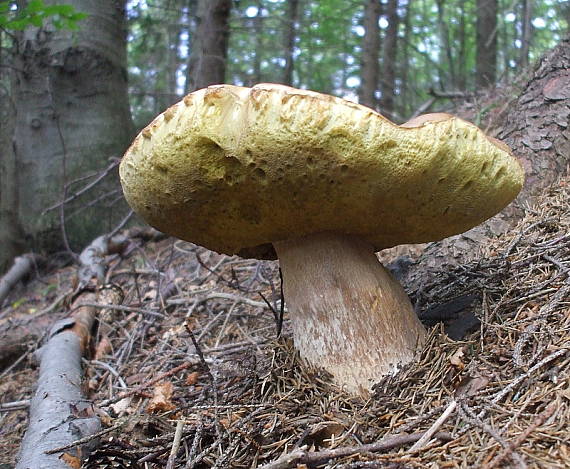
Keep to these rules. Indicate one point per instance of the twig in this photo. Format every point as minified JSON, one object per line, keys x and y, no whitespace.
{"x":195,"y":443}
{"x":302,"y":456}
{"x":16,"y":405}
{"x":93,"y":183}
{"x":435,"y":427}
{"x":522,"y":377}
{"x":53,"y":305}
{"x":21,"y":266}
{"x":175,"y":444}
{"x":87,"y":439}
{"x":507,"y":452}
{"x":210,"y":376}
{"x":142,"y":387}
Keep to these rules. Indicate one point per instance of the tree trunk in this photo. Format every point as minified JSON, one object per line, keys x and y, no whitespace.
{"x":258,"y":28}
{"x":72,"y":116}
{"x":486,"y":42}
{"x":207,"y":64}
{"x":406,"y":107}
{"x":462,"y":72}
{"x":11,"y":236}
{"x":445,"y":43}
{"x":370,"y":55}
{"x":290,"y":35}
{"x":526,"y":35}
{"x":536,"y":128}
{"x":389,"y":59}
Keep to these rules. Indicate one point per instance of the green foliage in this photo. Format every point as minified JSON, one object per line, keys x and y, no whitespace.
{"x":35,"y":13}
{"x":436,"y":48}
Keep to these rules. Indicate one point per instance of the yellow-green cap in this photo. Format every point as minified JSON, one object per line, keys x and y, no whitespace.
{"x":235,"y":169}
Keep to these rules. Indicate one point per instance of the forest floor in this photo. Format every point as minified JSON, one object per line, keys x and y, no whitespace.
{"x":245,"y":398}
{"x":493,"y":381}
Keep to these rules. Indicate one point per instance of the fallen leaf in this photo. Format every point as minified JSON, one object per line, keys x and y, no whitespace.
{"x":161,"y":398}
{"x":470,"y":385}
{"x":456,"y":358}
{"x":192,"y":378}
{"x":71,"y":461}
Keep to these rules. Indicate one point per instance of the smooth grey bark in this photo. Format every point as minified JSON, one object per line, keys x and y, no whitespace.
{"x":11,"y":238}
{"x":57,"y":398}
{"x":486,"y":42}
{"x":370,"y":69}
{"x":207,"y":64}
{"x":59,"y":414}
{"x":20,"y":268}
{"x":72,"y":116}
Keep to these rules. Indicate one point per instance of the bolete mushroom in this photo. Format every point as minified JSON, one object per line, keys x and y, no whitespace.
{"x":323,"y":183}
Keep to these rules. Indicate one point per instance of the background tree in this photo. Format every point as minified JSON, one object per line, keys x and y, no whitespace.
{"x":72,"y":120}
{"x":389,"y":65}
{"x":486,"y":42}
{"x":207,"y":64}
{"x":370,"y":69}
{"x":289,"y":41}
{"x":419,"y":55}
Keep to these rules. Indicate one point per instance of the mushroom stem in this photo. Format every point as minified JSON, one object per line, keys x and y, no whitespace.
{"x":349,"y":315}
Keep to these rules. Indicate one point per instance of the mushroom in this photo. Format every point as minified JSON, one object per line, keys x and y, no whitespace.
{"x":322,"y":183}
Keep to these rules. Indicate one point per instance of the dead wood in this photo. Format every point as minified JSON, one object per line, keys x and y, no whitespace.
{"x":302,"y":456}
{"x":19,"y":332}
{"x":92,"y":258}
{"x":59,"y":414}
{"x":21,"y":266}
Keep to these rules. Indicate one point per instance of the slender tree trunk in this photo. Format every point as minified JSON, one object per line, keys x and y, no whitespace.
{"x":526,"y":35}
{"x":207,"y":64}
{"x":563,"y":9}
{"x":370,"y":54}
{"x":405,"y":106}
{"x":461,"y":73}
{"x":389,"y":61}
{"x":72,"y":116}
{"x":486,"y":42}
{"x":258,"y":28}
{"x":191,"y":27}
{"x":170,"y":96}
{"x":446,"y":44}
{"x":290,"y":36}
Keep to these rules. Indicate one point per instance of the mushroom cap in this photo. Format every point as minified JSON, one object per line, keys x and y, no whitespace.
{"x":235,"y":169}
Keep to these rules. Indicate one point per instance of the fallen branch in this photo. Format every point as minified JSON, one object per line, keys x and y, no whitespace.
{"x":59,"y":414}
{"x":92,"y":258}
{"x":302,"y":456}
{"x":428,"y":435}
{"x":20,"y":268}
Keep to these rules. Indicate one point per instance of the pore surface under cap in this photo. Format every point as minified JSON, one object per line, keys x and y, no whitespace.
{"x":235,"y":169}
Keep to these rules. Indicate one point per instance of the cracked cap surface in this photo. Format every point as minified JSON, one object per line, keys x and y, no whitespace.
{"x":234,"y":169}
